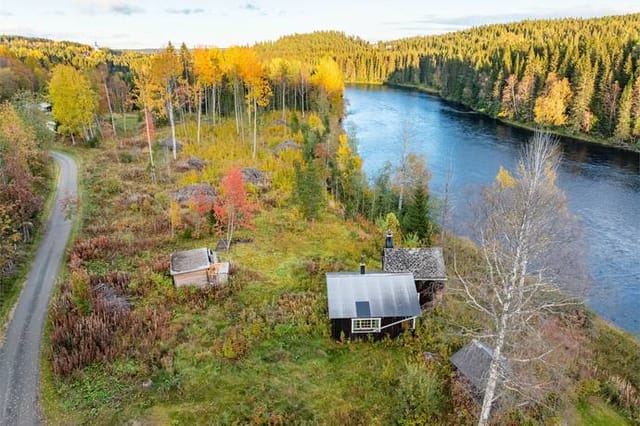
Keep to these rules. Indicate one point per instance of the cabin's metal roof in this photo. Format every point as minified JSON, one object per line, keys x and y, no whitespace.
{"x":192,"y":260}
{"x":425,"y":263}
{"x":388,"y":295}
{"x":473,"y":361}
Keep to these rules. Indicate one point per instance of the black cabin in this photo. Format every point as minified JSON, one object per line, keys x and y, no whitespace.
{"x":371,"y":304}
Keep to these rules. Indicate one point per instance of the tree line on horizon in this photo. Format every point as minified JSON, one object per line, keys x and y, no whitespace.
{"x":580,"y":76}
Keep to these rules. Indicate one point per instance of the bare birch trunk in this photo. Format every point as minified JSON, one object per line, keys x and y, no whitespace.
{"x":284,"y":110}
{"x":235,"y":104}
{"x":153,"y":166}
{"x":173,"y":128}
{"x":199,"y":115}
{"x":213,"y":103}
{"x":124,"y":119}
{"x":106,"y":91}
{"x":255,"y":127}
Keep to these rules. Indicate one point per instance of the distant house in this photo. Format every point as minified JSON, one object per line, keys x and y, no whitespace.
{"x":425,"y":263}
{"x":473,"y":362}
{"x":197,"y":267}
{"x":371,"y":304}
{"x":45,"y":106}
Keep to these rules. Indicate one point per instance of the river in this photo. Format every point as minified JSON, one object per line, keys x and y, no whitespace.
{"x":464,"y":151}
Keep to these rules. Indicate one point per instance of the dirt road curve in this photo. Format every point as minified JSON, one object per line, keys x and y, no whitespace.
{"x":20,"y":352}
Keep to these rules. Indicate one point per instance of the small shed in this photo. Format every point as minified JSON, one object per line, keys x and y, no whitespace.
{"x":371,"y":304}
{"x":473,"y":362}
{"x":425,"y":263}
{"x":197,"y":267}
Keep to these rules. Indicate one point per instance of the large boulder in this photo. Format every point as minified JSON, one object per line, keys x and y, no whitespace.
{"x":277,"y":122}
{"x":196,"y":163}
{"x":136,"y":200}
{"x":285,"y":146}
{"x":168,"y":143}
{"x":193,"y":163}
{"x":190,"y":192}
{"x":256,"y":177}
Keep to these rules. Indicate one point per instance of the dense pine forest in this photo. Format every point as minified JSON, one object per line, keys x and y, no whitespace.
{"x":579,"y":76}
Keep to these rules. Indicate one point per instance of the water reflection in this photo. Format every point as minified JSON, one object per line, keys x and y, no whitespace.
{"x":602,"y":184}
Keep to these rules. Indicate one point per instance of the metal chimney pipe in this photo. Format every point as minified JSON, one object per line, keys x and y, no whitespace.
{"x":389,"y":241}
{"x":363,"y":267}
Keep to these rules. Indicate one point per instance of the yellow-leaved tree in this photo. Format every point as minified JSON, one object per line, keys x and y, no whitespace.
{"x":208,"y":70}
{"x":145,"y":99}
{"x":328,"y":77}
{"x":165,"y":69}
{"x":252,"y":73}
{"x":551,"y":107}
{"x":74,"y":101}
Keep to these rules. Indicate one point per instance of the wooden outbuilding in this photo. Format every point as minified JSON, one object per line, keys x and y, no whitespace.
{"x":197,"y":267}
{"x":425,"y":263}
{"x":371,"y":304}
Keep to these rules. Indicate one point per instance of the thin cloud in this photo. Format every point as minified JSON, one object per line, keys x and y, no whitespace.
{"x":5,"y":13}
{"x":125,"y":9}
{"x":250,"y":6}
{"x":451,"y":23}
{"x":185,"y":11}
{"x":118,"y":7}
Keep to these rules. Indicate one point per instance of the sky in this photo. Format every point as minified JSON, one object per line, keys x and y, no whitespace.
{"x":149,"y":24}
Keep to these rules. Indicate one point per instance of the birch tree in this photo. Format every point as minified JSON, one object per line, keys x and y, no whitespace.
{"x":145,"y":88}
{"x":528,"y":242}
{"x":74,"y":102}
{"x":165,"y":69}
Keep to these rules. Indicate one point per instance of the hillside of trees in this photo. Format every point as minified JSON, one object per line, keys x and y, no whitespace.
{"x":576,"y":76}
{"x":579,"y":76}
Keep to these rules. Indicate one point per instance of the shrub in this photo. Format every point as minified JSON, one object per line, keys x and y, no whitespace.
{"x":420,"y":395}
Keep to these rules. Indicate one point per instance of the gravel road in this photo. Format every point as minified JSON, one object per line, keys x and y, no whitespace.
{"x":20,"y":352}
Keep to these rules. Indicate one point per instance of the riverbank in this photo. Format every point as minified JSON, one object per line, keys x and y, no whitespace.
{"x":465,"y":151}
{"x":563,"y":133}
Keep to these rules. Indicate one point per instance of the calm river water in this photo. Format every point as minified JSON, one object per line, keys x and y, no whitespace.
{"x":466,"y":149}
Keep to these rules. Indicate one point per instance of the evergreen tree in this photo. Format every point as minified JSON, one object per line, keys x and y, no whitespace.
{"x":416,"y":219}
{"x":635,"y":106}
{"x":623,"y":127}
{"x":581,"y":118}
{"x":309,"y":190}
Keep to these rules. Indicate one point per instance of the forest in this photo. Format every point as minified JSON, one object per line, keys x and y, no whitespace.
{"x":243,"y":149}
{"x":577,"y":76}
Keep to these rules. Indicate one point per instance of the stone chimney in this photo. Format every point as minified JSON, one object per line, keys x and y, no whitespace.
{"x":363,"y":267}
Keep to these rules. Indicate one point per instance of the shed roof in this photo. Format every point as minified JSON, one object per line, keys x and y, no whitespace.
{"x":191,"y":260}
{"x":425,"y":263}
{"x":473,"y":362}
{"x":387,"y":295}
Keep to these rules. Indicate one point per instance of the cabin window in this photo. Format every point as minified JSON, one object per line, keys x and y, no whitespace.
{"x":365,"y":325}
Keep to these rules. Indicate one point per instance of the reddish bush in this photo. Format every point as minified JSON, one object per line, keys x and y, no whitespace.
{"x":92,"y":321}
